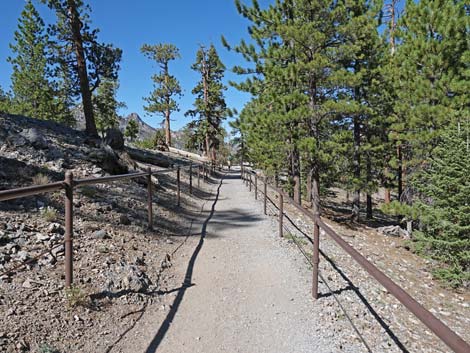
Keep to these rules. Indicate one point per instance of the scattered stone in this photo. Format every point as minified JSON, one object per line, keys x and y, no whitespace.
{"x":101,"y":234}
{"x":28,"y":284}
{"x":55,"y":228}
{"x":42,"y":237}
{"x":60,"y":250}
{"x":23,"y":256}
{"x":127,"y":277}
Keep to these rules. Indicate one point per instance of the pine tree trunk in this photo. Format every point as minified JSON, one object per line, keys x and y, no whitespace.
{"x":369,"y":206}
{"x":296,"y":175}
{"x":316,"y":188}
{"x":356,"y":169}
{"x":308,"y":195}
{"x":167,"y":128}
{"x":76,"y":25}
{"x":400,"y":172}
{"x":387,"y":196}
{"x":369,"y":181}
{"x":208,"y":145}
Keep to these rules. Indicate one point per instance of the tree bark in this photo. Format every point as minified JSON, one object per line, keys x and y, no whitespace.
{"x":167,"y":112}
{"x":296,"y":175}
{"x":77,"y":39}
{"x":167,"y":128}
{"x":400,"y":172}
{"x":308,"y":195}
{"x":356,"y":169}
{"x":387,"y":196}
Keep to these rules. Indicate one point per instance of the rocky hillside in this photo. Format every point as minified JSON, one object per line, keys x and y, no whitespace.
{"x":119,"y":266}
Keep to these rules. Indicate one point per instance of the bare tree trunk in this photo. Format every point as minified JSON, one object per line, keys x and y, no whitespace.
{"x":76,"y":26}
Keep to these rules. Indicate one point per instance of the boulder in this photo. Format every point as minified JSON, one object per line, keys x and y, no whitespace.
{"x":35,"y":138}
{"x":127,"y":277}
{"x":108,"y":160}
{"x":393,"y":231}
{"x":114,"y":139}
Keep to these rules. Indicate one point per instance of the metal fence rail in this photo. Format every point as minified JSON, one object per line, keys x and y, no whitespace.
{"x":449,"y":337}
{"x":69,"y":184}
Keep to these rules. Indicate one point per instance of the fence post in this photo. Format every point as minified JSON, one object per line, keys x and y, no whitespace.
{"x":256,"y":186}
{"x":265,"y":193}
{"x":281,"y":213}
{"x":68,"y":229}
{"x":191,"y":178}
{"x":149,"y":199}
{"x":250,"y":182}
{"x":316,"y":257}
{"x":178,"y":185}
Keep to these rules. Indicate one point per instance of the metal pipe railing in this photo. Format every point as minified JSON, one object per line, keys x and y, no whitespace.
{"x":449,"y":337}
{"x":30,"y":191}
{"x":69,"y":184}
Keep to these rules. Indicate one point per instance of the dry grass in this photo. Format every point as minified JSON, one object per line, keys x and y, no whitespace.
{"x":41,"y":179}
{"x":49,"y":214}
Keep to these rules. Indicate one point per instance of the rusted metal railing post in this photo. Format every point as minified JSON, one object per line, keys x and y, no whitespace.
{"x":281,"y":214}
{"x":191,"y":178}
{"x":265,"y":194}
{"x":178,"y":185}
{"x":68,"y":229}
{"x":149,"y":198}
{"x":316,"y":257}
{"x":256,"y":186}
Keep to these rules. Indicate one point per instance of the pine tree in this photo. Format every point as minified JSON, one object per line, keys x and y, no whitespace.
{"x":209,"y":107}
{"x":431,"y":64}
{"x":5,"y":101}
{"x":106,"y":106}
{"x":295,"y":64}
{"x":132,"y":129}
{"x":362,"y":50}
{"x":80,"y":56}
{"x":443,"y":206}
{"x":166,"y":86}
{"x":33,"y":93}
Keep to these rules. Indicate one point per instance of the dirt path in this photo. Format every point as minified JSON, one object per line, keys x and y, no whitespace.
{"x":243,"y":291}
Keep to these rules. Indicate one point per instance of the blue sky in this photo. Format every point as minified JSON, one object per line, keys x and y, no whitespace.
{"x":129,"y":24}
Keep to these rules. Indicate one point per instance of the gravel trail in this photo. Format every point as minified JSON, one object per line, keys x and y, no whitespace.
{"x":243,"y":291}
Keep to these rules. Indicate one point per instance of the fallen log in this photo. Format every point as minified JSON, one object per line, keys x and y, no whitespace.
{"x":149,"y":157}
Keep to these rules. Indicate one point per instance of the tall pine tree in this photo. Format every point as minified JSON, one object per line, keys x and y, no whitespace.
{"x":33,"y":93}
{"x":166,"y":86}
{"x":84,"y":61}
{"x":209,"y":107}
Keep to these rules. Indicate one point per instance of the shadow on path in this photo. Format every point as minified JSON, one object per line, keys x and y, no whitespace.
{"x":153,"y":346}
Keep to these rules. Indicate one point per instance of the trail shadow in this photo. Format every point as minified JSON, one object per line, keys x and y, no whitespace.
{"x":126,"y":331}
{"x":350,"y":287}
{"x":153,"y":346}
